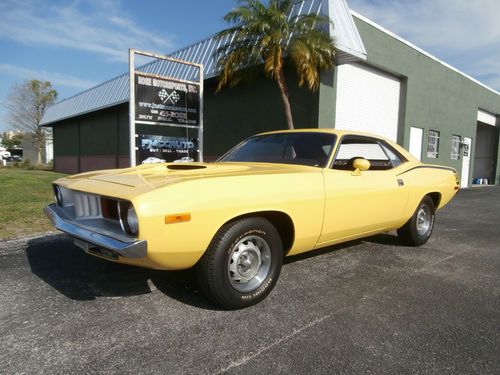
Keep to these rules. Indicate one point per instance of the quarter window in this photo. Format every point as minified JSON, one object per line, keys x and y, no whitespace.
{"x":396,"y":157}
{"x":433,"y":144}
{"x":455,"y":147}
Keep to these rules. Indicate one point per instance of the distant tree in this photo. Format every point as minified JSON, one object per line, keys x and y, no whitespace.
{"x":26,"y":105}
{"x":266,"y":34}
{"x":13,"y":142}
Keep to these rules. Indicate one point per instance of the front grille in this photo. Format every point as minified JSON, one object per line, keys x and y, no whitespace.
{"x":87,"y":205}
{"x":109,"y":208}
{"x":93,"y":212}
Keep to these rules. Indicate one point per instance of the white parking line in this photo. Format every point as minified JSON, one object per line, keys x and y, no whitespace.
{"x":251,"y":356}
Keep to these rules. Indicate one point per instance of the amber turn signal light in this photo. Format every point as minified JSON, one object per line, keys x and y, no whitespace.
{"x":177,"y":218}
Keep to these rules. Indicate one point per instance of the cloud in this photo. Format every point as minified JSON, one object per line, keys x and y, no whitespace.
{"x":101,"y":28}
{"x":57,"y":79}
{"x":465,"y":34}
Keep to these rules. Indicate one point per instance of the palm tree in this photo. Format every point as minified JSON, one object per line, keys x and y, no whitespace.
{"x":266,"y":35}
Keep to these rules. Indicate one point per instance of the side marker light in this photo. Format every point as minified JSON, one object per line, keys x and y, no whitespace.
{"x":177,"y":218}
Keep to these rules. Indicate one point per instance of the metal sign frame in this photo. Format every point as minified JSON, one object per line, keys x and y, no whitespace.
{"x":132,"y":120}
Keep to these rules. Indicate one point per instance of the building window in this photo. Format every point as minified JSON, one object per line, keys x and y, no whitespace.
{"x":433,"y":144}
{"x":455,"y":147}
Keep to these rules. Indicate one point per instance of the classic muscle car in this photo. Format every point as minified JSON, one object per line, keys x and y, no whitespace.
{"x":275,"y":194}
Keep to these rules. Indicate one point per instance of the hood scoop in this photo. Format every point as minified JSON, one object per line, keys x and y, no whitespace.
{"x":184,"y":167}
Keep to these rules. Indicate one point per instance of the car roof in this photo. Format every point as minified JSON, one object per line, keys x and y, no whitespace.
{"x":337,"y":132}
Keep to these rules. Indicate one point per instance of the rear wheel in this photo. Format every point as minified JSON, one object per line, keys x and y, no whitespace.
{"x":419,"y":228}
{"x":242,"y":263}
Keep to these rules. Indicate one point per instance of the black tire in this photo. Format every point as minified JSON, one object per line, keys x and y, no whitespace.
{"x":239,"y":249}
{"x":419,"y":228}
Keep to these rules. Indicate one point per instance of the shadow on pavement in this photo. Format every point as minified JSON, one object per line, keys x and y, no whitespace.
{"x":382,"y":239}
{"x":385,"y":239}
{"x":79,"y":276}
{"x":321,"y":251}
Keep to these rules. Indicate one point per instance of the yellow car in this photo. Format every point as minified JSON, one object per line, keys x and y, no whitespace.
{"x":273,"y":195}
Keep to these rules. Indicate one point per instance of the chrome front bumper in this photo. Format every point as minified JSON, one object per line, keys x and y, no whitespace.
{"x":120,"y":245}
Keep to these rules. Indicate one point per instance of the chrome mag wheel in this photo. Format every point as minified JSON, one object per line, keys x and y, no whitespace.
{"x":249,"y":263}
{"x":424,"y":219}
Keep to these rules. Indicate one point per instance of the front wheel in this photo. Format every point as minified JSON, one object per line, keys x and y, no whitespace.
{"x":419,"y":228}
{"x":242,"y":263}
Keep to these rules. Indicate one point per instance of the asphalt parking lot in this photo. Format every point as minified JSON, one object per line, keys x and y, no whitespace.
{"x":370,"y":306}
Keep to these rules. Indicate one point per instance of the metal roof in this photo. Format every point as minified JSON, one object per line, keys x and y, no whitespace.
{"x":116,"y":91}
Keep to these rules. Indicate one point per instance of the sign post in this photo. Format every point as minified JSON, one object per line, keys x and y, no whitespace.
{"x":131,"y":106}
{"x":165,"y":102}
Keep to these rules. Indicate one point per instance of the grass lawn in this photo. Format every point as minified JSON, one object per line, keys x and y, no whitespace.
{"x":23,"y":194}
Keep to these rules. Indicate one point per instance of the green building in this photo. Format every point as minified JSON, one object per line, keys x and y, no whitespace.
{"x":382,"y":84}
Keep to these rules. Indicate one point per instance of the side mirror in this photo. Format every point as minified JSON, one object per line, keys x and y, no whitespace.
{"x":360,"y":164}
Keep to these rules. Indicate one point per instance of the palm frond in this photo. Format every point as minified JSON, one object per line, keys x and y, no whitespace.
{"x":284,"y":6}
{"x":233,"y":57}
{"x":310,"y":53}
{"x":302,"y":22}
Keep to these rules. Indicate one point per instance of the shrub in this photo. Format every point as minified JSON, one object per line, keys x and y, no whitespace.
{"x":26,"y":164}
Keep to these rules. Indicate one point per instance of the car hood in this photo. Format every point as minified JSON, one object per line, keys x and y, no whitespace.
{"x":158,"y":175}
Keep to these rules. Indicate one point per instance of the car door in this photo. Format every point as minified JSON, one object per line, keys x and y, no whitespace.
{"x":359,"y":202}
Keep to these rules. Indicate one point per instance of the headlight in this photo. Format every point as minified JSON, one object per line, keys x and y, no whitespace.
{"x":132,"y":221}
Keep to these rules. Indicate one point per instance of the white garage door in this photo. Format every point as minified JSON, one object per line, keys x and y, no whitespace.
{"x":367,"y":100}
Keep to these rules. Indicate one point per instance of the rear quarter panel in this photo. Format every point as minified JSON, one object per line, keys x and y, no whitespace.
{"x":422,"y":180}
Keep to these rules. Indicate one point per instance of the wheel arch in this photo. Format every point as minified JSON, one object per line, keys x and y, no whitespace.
{"x":280,"y":220}
{"x":436,"y":198}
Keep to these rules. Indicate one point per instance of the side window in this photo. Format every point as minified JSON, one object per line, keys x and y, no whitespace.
{"x":395,"y":157}
{"x":357,"y":147}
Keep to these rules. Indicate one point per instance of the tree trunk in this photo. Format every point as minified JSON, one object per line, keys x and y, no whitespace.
{"x":280,"y":78}
{"x":39,"y":143}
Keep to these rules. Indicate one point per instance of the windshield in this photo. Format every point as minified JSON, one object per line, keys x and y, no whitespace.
{"x":311,"y":149}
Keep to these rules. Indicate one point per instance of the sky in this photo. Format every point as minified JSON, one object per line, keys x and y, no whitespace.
{"x":78,"y":44}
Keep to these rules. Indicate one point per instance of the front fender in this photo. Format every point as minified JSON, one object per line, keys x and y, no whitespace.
{"x":214,"y":202}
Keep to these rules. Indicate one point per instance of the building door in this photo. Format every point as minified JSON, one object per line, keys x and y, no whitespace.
{"x":466,"y":150}
{"x":416,"y":135}
{"x":485,"y":153}
{"x":367,"y":100}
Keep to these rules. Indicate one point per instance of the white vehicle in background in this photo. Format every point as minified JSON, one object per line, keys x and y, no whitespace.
{"x":4,"y":153}
{"x":185,"y":159}
{"x":152,"y":160}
